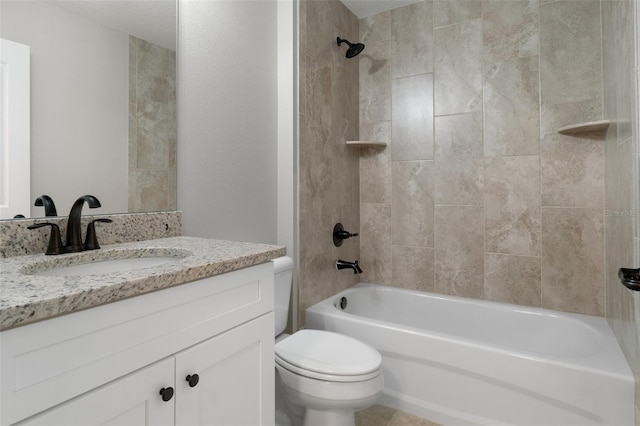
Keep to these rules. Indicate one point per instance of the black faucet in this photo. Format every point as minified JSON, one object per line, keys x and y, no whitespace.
{"x":341,"y":264}
{"x":74,"y":230}
{"x":49,"y":205}
{"x":55,"y":242}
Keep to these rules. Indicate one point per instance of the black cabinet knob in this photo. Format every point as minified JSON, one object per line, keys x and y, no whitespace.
{"x":167,"y":393}
{"x":193,"y":380}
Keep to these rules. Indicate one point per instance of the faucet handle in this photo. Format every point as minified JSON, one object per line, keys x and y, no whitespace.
{"x":91,"y":240}
{"x":55,"y":242}
{"x":339,"y":234}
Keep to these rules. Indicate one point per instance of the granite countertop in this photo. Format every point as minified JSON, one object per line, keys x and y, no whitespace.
{"x":26,"y":298}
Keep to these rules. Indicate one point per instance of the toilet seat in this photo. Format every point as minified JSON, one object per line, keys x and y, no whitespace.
{"x":329,"y":356}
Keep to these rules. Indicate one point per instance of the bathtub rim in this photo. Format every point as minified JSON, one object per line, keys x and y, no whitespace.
{"x":609,"y":360}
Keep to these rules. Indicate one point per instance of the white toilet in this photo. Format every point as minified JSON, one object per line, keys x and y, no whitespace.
{"x":323,"y":377}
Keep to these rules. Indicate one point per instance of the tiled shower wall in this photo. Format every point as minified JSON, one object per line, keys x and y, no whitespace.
{"x":328,"y":168}
{"x":476,"y":194}
{"x":152,"y":127}
{"x":621,"y":152}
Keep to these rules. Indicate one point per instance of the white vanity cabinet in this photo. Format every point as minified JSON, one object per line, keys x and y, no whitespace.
{"x":129,"y":401}
{"x":107,"y":365}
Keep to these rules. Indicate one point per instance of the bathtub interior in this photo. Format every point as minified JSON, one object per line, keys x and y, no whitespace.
{"x":454,"y":360}
{"x":492,"y":323}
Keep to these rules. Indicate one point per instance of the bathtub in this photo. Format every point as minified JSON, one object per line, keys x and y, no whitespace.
{"x":463,"y":361}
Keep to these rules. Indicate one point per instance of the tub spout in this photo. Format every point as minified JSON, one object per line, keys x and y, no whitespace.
{"x":341,"y":264}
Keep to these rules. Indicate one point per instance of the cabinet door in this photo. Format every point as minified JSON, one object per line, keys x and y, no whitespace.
{"x":132,"y":400}
{"x":236,"y":378}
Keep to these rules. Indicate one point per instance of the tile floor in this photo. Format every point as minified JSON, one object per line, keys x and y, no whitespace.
{"x":380,"y":415}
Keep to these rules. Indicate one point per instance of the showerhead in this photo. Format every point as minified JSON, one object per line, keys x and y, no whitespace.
{"x":354,"y":48}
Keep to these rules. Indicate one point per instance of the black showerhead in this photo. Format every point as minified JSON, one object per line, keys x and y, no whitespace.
{"x":354,"y":48}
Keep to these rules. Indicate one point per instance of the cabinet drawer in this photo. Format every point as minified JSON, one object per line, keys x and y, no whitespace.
{"x":46,"y":363}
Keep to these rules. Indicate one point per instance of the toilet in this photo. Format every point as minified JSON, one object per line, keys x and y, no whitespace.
{"x":322,"y":378}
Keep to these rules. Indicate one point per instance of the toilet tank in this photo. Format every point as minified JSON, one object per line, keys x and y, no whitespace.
{"x":283,"y":274}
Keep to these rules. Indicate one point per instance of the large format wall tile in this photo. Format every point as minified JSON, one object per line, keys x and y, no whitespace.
{"x":375,"y":243}
{"x":621,"y":171}
{"x":572,"y":170}
{"x":156,"y":134}
{"x":375,"y":83}
{"x":619,"y":218}
{"x":412,"y":125}
{"x":510,"y":29}
{"x":156,"y":77}
{"x":459,"y":163}
{"x":413,"y":268}
{"x":573,"y":260}
{"x":552,"y":117}
{"x":375,"y":29}
{"x":152,"y":189}
{"x":329,"y":170}
{"x":511,"y":108}
{"x":570,"y":58}
{"x":458,"y":68}
{"x":459,"y":251}
{"x":315,"y":102}
{"x":447,"y":12}
{"x":458,"y":137}
{"x":459,"y":182}
{"x":316,"y":181}
{"x":506,"y":76}
{"x":624,"y":74}
{"x":512,"y":205}
{"x":512,"y":279}
{"x":412,"y":204}
{"x":375,"y":164}
{"x":318,"y":30}
{"x":152,"y":127}
{"x":412,"y":39}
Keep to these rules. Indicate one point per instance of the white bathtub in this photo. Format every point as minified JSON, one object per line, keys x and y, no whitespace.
{"x":463,"y":361}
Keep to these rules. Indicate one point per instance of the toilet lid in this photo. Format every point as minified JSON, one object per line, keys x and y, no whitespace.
{"x":329,"y":353}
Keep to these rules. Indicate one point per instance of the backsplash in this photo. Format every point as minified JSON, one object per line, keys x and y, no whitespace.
{"x":17,"y":240}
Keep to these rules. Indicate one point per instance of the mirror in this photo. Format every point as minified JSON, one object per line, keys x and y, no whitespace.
{"x":102,"y":93}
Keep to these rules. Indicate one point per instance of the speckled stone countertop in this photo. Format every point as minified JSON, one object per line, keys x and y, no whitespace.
{"x":26,"y":298}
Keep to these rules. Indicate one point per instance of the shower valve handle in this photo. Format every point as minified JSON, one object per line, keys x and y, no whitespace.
{"x":344,"y":235}
{"x":339,"y":234}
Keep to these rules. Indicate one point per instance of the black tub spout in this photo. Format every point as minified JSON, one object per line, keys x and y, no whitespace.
{"x":341,"y":264}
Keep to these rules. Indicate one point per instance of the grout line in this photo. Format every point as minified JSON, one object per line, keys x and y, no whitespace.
{"x":540,"y":126}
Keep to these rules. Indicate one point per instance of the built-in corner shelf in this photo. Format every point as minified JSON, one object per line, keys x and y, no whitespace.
{"x":586,"y":127}
{"x":367,"y":144}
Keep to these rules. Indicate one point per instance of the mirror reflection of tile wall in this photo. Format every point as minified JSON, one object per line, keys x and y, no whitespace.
{"x":152,"y":127}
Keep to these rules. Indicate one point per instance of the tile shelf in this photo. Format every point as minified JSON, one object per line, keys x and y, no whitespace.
{"x":586,"y":127}
{"x":366,"y":144}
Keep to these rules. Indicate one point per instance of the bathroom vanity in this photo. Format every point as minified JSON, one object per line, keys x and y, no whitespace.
{"x":189,"y":341}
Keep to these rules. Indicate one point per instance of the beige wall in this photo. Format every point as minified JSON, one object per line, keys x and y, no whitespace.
{"x":152,"y":127}
{"x":621,"y":177}
{"x":328,"y":185}
{"x":477,"y":195}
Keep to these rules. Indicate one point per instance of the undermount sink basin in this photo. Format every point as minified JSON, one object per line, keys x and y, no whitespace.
{"x":104,"y":262}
